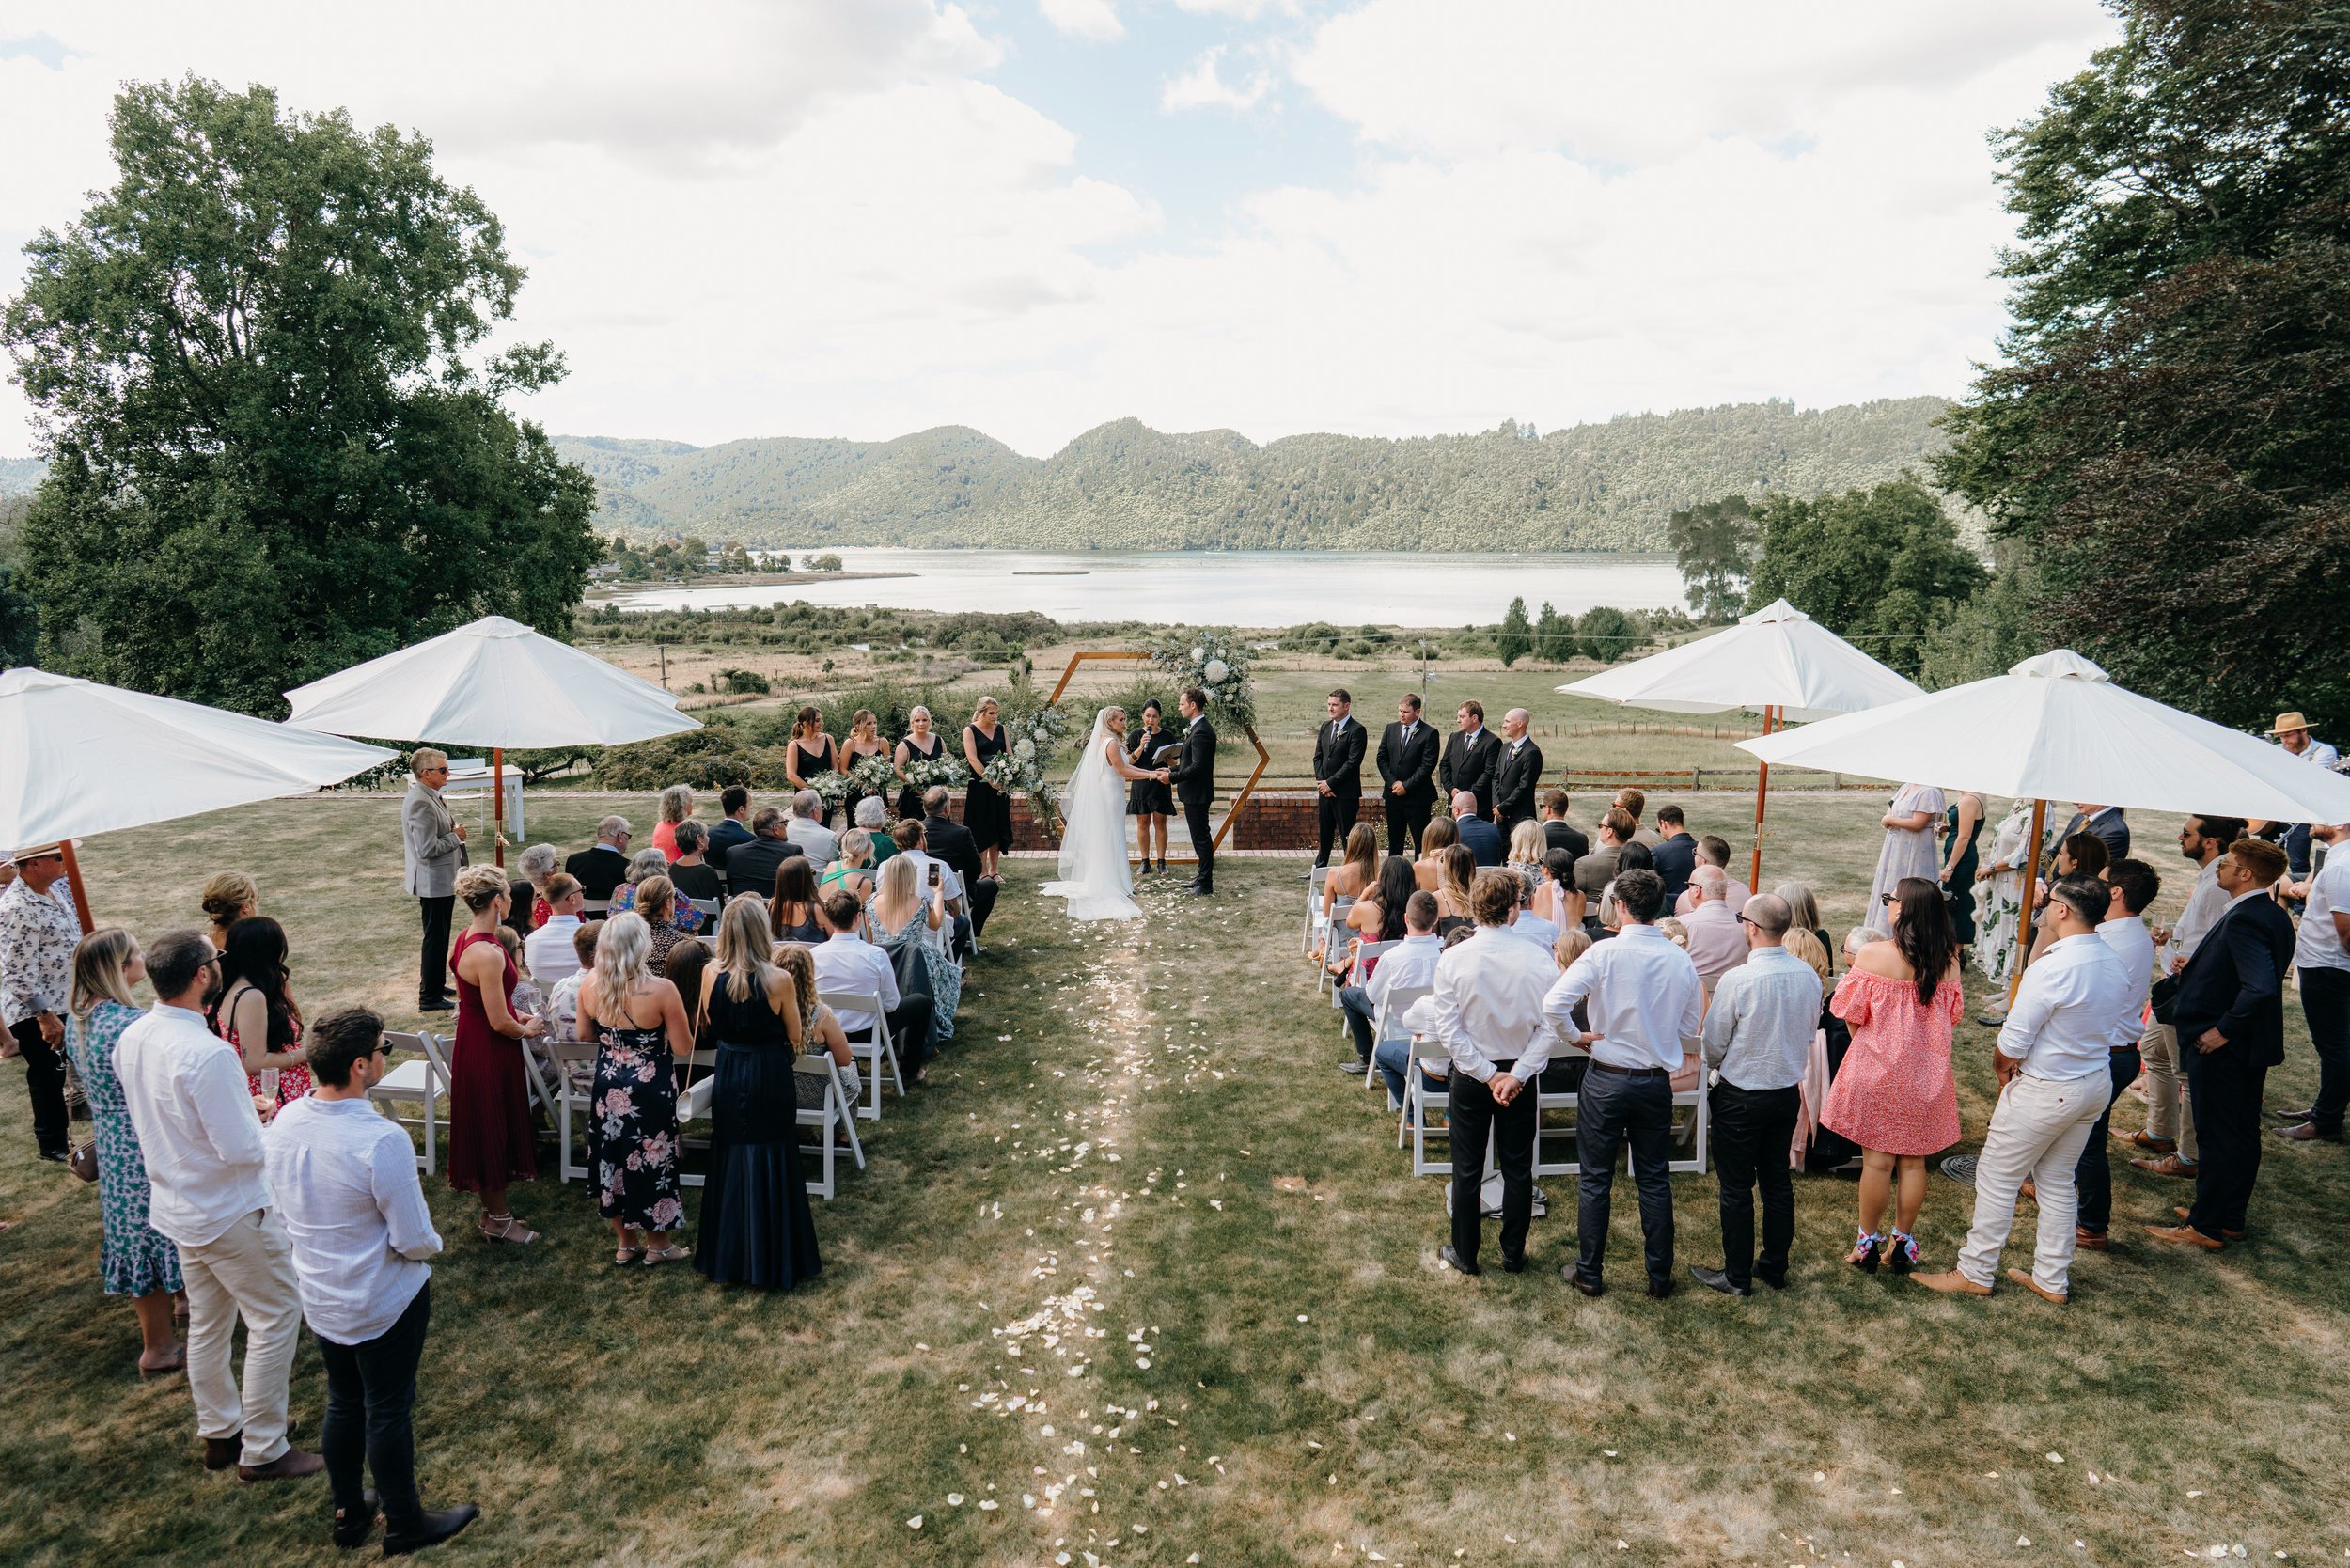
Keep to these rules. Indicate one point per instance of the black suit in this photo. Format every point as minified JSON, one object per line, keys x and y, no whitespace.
{"x":597,"y":869}
{"x":2236,"y":985}
{"x":1559,"y":835}
{"x":1413,"y":764}
{"x":1516,"y":778}
{"x":751,"y":867}
{"x":1339,"y":748}
{"x":945,"y":839}
{"x":1194,"y":777}
{"x":1469,"y":763}
{"x":724,"y":837}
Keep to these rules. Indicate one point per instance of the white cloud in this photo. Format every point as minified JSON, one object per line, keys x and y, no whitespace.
{"x":1203,"y":86}
{"x":1094,"y":20}
{"x":1244,"y":10}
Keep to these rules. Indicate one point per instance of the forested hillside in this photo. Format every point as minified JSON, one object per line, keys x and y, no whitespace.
{"x":1127,"y":486}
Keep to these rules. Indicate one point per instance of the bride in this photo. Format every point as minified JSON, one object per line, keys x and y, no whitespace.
{"x":1095,"y":877}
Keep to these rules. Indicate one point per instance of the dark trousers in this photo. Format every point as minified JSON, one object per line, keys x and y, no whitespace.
{"x":370,"y":1396}
{"x":2092,"y":1178}
{"x":2224,"y":1091}
{"x":909,"y":1027}
{"x":2326,"y":1003}
{"x":1613,"y":1109}
{"x":1473,"y":1115}
{"x":981,"y":891}
{"x":1406,"y":821}
{"x":44,"y":1082}
{"x":2297,"y":847}
{"x":1334,"y":818}
{"x":1355,"y":1003}
{"x":1754,"y":1130}
{"x":432,"y":973}
{"x":1509,"y":820}
{"x":1202,"y":841}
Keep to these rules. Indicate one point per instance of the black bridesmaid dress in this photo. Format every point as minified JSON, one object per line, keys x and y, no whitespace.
{"x":756,"y":1226}
{"x":1147,"y":797}
{"x":986,"y":810}
{"x":910,"y":798}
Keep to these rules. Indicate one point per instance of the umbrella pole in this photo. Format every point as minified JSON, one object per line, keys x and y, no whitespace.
{"x":497,"y":802}
{"x":73,"y":880}
{"x":1761,"y":790}
{"x":2031,"y":879}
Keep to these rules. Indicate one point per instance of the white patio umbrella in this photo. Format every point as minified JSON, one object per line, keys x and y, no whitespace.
{"x":77,"y":758}
{"x":494,"y":682}
{"x":1778,"y":662}
{"x":2056,"y":726}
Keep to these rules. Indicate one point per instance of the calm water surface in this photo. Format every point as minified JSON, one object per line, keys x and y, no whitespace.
{"x":1236,"y":587}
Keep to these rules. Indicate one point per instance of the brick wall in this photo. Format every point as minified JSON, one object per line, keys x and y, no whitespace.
{"x":1026,"y":835}
{"x":1285,"y":819}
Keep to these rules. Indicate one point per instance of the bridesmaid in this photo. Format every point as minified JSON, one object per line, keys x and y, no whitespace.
{"x":986,"y":810}
{"x":811,"y":750}
{"x":1962,"y":822}
{"x":1149,"y":801}
{"x":864,"y":741}
{"x":920,"y":745}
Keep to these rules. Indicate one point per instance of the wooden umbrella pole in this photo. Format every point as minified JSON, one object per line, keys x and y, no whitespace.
{"x":1761,"y":792}
{"x":497,"y":802}
{"x":2031,"y":880}
{"x":73,"y":880}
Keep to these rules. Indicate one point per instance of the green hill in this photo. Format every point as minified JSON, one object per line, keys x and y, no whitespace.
{"x":1127,"y":486}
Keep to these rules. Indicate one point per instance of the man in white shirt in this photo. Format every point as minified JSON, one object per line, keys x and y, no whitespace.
{"x":1410,"y":963}
{"x":846,"y":962}
{"x":2320,"y":956}
{"x":2170,"y":1135}
{"x":1718,"y":942}
{"x":192,"y":1107}
{"x":2131,"y":887}
{"x":2292,"y":732}
{"x":2053,"y":1057}
{"x":1758,"y":1038}
{"x":548,"y":952}
{"x":1645,"y":1006}
{"x":353,"y":1211}
{"x":1489,"y":1011}
{"x":807,"y":829}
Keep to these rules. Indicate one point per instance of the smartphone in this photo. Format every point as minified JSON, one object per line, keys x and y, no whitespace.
{"x":935,"y":877}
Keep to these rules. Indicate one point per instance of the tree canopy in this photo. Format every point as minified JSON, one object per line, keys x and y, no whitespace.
{"x":277,"y":445}
{"x":1714,"y":545}
{"x":1877,"y":566}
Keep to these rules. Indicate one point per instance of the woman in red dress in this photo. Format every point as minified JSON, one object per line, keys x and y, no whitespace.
{"x":255,"y":1014}
{"x":1894,"y":1095}
{"x":490,"y":1141}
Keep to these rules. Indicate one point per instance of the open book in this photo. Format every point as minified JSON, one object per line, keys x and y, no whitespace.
{"x":1166,"y":755}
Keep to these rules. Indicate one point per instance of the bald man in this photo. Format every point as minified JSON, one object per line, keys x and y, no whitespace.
{"x":1518,"y":776}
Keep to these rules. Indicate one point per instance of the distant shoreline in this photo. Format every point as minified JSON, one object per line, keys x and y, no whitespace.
{"x":606,"y":591}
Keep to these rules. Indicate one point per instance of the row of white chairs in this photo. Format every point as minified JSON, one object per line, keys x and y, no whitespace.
{"x":1413,"y":1126}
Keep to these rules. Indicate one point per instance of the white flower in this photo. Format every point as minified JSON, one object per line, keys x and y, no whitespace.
{"x":1198,"y":654}
{"x":1025,"y":749}
{"x":1215,"y":672}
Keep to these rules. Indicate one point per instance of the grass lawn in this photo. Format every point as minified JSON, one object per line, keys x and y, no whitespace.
{"x":1141,"y":1269}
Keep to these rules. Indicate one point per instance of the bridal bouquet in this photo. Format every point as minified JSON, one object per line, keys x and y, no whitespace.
{"x":874,"y":775}
{"x":1033,"y":739}
{"x":1217,"y":663}
{"x":925,"y":774}
{"x":831,"y":788}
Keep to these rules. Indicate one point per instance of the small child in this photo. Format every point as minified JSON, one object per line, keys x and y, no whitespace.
{"x":1674,"y":929}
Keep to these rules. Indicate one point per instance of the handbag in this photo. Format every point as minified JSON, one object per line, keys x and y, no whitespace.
{"x":83,"y":1160}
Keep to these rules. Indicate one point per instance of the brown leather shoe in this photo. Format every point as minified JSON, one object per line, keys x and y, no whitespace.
{"x":2089,"y":1241}
{"x":221,"y":1453}
{"x":288,"y":1465}
{"x":2029,"y":1189}
{"x":2149,"y":1142}
{"x":2306,"y":1131}
{"x":2182,"y":1212}
{"x":2170,"y":1164}
{"x":1950,"y":1282}
{"x":2023,"y":1277}
{"x":2182,"y":1235}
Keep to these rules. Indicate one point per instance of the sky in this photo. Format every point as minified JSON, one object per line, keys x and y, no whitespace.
{"x":860,"y":218}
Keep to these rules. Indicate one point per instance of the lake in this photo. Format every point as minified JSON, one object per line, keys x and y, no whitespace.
{"x":1225,"y":588}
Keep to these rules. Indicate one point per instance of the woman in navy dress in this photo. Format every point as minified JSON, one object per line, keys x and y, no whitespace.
{"x":986,"y":810}
{"x":756,"y":1226}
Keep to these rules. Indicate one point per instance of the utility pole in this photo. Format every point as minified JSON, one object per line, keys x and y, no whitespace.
{"x":664,"y":665}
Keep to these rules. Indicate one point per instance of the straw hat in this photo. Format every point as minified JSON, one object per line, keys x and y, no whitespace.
{"x":35,"y":852}
{"x":2288,"y":723}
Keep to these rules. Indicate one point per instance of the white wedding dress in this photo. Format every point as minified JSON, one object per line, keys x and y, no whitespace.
{"x":1095,"y":876}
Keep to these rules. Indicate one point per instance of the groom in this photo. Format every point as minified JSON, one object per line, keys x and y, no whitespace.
{"x":1194,"y":777}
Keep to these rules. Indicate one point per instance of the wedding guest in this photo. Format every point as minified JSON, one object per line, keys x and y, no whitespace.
{"x":602,"y":866}
{"x":2073,"y":1007}
{"x":38,"y":933}
{"x":491,"y":1144}
{"x":1351,"y":878}
{"x":133,"y":1259}
{"x":907,"y":916}
{"x":1645,"y":1006}
{"x":688,"y":962}
{"x":2104,"y":822}
{"x":1803,"y":912}
{"x":1556,"y":899}
{"x":1389,"y":903}
{"x":690,"y":869}
{"x":1525,"y":848}
{"x":1151,"y":801}
{"x":820,"y":1033}
{"x":1962,"y":825}
{"x":2230,"y":1008}
{"x":920,"y":745}
{"x":2292,"y":733}
{"x":1338,"y":745}
{"x":638,"y":1022}
{"x":793,"y":910}
{"x":944,"y":838}
{"x":846,"y":962}
{"x":810,"y":750}
{"x":873,"y":818}
{"x":432,"y":845}
{"x":227,"y":897}
{"x":1895,"y":1095}
{"x":1482,"y":839}
{"x":562,"y":1003}
{"x":733,"y":829}
{"x":807,"y":830}
{"x":1909,"y":822}
{"x":529,"y":894}
{"x":1471,"y":757}
{"x":986,"y":810}
{"x":1562,"y":833}
{"x":1406,"y":968}
{"x":359,"y":1235}
{"x":1718,"y":942}
{"x":1675,"y":851}
{"x":1456,"y":875}
{"x":2000,"y":880}
{"x":1713,"y":849}
{"x":676,"y":804}
{"x":2130,"y":886}
{"x":1758,"y":1041}
{"x":1634,"y":804}
{"x":864,"y":741}
{"x":853,"y":869}
{"x":1407,"y":772}
{"x":649,"y":867}
{"x":1489,"y":996}
{"x":549,"y":952}
{"x":201,"y":1139}
{"x":2323,"y":965}
{"x":255,"y":1014}
{"x":657,"y":902}
{"x":1826,"y":1150}
{"x":1538,"y":929}
{"x":1437,"y":835}
{"x":752,"y":868}
{"x":1517,"y":773}
{"x":2077,"y":854}
{"x":756,"y":1228}
{"x":1595,"y":870}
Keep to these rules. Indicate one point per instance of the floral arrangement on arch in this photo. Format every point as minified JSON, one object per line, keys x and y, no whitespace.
{"x":1031,"y":741}
{"x":1217,"y":662}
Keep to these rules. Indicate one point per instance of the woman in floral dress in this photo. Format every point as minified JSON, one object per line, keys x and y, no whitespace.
{"x":2000,"y":881}
{"x":133,"y":1260}
{"x":255,"y":1011}
{"x":638,"y":1022}
{"x":1909,"y":848}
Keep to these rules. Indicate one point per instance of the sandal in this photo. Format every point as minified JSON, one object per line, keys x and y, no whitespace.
{"x":506,"y":1227}
{"x":1903,"y":1255}
{"x":625,"y":1257}
{"x":1865,"y":1252}
{"x":669,"y":1254}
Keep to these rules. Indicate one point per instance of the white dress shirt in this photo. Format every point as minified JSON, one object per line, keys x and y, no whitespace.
{"x":345,"y":1178}
{"x":1489,"y":1004}
{"x":1643,"y":995}
{"x":847,"y":961}
{"x":1410,"y":962}
{"x":2073,"y":1008}
{"x":548,"y":952}
{"x":2204,"y":905}
{"x":2319,"y":946}
{"x":2134,"y":944}
{"x":1765,"y":1012}
{"x":191,"y":1105}
{"x":1537,"y":929}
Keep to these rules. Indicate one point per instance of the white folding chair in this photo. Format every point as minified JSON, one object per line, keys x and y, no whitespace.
{"x":1418,"y":1100}
{"x":835,"y":1112}
{"x":1701,"y":1117}
{"x":1368,"y":950}
{"x":594,"y":908}
{"x":1386,"y":1020}
{"x":1570,"y":1165}
{"x":423,"y":1079}
{"x":1339,"y":908}
{"x":872,"y":1052}
{"x":1313,"y":907}
{"x":574,"y":1090}
{"x":708,"y":909}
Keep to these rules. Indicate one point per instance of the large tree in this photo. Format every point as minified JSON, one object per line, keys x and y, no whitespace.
{"x":2168,"y":442}
{"x":1713,"y":546}
{"x":277,"y":442}
{"x":1876,"y":566}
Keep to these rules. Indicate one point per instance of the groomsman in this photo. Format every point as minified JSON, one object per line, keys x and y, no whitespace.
{"x":1471,"y":758}
{"x":1338,"y":774}
{"x":1518,"y":773}
{"x":1408,"y":770}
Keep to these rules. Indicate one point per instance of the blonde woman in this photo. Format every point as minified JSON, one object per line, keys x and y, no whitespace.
{"x":906,"y":913}
{"x":638,"y":1022}
{"x":133,"y":1260}
{"x":986,"y":810}
{"x":853,"y":869}
{"x":921,"y":745}
{"x":491,"y":1142}
{"x":227,"y":897}
{"x":864,"y":741}
{"x":1528,"y":846}
{"x":1354,"y":877}
{"x":756,"y":1228}
{"x":677,"y":804}
{"x":1456,"y":869}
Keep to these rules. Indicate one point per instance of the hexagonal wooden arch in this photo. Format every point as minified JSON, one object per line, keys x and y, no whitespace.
{"x":1128,"y":655}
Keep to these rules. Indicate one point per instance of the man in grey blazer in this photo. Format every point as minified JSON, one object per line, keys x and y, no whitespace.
{"x":435,"y":846}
